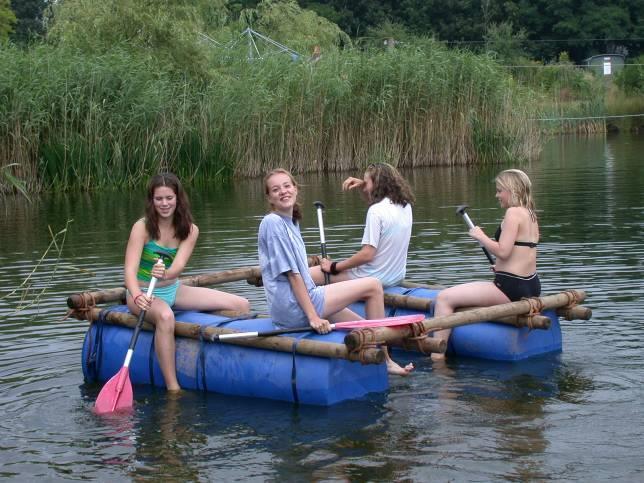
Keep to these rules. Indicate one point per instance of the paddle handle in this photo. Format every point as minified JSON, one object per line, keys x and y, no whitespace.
{"x":139,"y":322}
{"x":468,"y":221}
{"x":348,"y":325}
{"x":268,"y":333}
{"x":319,"y":206}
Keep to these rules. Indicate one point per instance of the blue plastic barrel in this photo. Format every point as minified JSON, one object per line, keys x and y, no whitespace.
{"x":231,"y":369}
{"x":487,"y":340}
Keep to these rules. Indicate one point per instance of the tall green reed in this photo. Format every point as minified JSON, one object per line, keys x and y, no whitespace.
{"x":75,"y":120}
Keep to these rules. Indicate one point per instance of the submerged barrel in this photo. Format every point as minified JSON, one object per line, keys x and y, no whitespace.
{"x":231,"y":369}
{"x":487,"y":340}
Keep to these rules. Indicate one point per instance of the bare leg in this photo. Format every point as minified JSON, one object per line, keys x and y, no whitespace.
{"x":370,"y":290}
{"x":206,"y":299}
{"x":473,"y":294}
{"x":161,"y":315}
{"x":318,"y":276}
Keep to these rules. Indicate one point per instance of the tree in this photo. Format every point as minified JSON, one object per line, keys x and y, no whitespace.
{"x":285,"y":21}
{"x":167,"y":30}
{"x":30,"y":19}
{"x":506,"y":44}
{"x":7,"y":20}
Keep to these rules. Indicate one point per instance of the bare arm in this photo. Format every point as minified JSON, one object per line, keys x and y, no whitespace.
{"x":183,"y":254}
{"x":133,"y":252}
{"x":302,"y":296}
{"x":362,"y":256}
{"x":503,"y":248}
{"x":351,"y":183}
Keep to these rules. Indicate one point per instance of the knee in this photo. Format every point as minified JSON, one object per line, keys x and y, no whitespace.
{"x":165,"y":321}
{"x":375,"y":287}
{"x":444,"y":302}
{"x":243,"y":305}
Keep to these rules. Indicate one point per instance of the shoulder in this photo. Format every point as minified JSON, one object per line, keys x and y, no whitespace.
{"x":194,"y":231}
{"x":379,"y":206}
{"x":272,"y":223}
{"x":139,"y":228}
{"x":516,"y":214}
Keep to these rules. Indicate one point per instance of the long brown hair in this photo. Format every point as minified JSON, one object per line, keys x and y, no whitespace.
{"x":388,"y":183}
{"x":297,"y":209}
{"x":182,"y":219}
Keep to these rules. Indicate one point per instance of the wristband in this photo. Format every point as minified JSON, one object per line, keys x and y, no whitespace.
{"x":137,"y":298}
{"x":334,"y":268}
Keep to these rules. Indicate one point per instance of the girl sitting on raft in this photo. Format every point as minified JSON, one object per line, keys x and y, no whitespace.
{"x":292,"y":296}
{"x":387,"y":231}
{"x":515,"y":248}
{"x":167,"y":232}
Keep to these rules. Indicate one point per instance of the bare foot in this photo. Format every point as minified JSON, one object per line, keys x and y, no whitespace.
{"x":437,"y":356}
{"x":397,"y":370}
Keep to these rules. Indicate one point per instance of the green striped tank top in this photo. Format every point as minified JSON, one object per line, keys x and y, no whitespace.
{"x":151,"y":253}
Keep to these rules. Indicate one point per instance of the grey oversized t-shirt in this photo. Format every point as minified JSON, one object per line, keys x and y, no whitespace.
{"x":282,"y":250}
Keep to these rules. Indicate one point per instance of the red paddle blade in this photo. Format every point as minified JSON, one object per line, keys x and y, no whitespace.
{"x":388,"y":322}
{"x":116,"y":395}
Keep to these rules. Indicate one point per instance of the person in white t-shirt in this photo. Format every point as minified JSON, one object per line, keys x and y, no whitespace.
{"x":387,"y":232}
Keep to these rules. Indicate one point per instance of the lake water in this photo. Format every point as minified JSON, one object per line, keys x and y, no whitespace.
{"x":574,"y":416}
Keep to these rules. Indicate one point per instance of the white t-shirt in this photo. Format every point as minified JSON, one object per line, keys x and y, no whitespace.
{"x":388,"y":230}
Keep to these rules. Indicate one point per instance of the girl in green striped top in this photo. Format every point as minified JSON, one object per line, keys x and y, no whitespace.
{"x":167,"y":232}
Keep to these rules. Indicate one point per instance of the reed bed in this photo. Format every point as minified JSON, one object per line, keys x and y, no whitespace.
{"x":74,"y":120}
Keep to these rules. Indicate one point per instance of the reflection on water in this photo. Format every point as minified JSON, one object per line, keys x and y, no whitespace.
{"x":546,"y":418}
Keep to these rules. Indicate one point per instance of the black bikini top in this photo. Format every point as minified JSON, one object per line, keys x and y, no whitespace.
{"x":497,"y":235}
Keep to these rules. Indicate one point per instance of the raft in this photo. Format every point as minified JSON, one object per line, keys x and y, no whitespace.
{"x":487,"y":340}
{"x":230,"y":369}
{"x":293,"y":377}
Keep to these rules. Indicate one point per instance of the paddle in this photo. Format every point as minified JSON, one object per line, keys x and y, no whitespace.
{"x":461,"y":211}
{"x":319,"y":206}
{"x":354,"y":324}
{"x":117,"y":392}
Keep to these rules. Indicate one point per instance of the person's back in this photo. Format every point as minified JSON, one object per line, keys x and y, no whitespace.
{"x":388,"y":229}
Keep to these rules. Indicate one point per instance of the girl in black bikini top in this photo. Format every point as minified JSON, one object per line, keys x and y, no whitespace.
{"x":497,"y":236}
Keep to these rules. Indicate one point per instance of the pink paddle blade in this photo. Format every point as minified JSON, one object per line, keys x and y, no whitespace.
{"x":116,"y":395}
{"x":388,"y":322}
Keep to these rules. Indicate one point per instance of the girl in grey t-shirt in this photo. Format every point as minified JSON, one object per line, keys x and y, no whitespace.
{"x":293,"y":298}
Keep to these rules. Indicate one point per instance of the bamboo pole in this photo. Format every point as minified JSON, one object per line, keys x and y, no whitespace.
{"x":281,"y":344}
{"x":362,"y":338}
{"x":576,"y":312}
{"x":423,"y":344}
{"x":408,"y":302}
{"x":88,"y":299}
{"x":408,"y":284}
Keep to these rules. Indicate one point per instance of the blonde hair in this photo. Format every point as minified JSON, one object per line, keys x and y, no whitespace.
{"x":517,"y":183}
{"x":297,"y":209}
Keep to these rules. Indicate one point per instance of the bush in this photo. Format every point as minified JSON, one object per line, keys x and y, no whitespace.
{"x":631,"y":78}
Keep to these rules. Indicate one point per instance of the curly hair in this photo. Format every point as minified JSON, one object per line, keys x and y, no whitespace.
{"x":297,"y":209}
{"x":182,"y":219}
{"x":388,"y":183}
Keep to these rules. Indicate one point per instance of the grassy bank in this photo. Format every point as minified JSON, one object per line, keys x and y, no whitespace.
{"x":75,"y":120}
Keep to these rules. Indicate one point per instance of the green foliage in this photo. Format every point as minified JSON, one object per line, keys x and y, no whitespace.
{"x":631,"y":78}
{"x":165,"y":29}
{"x":376,"y":36}
{"x":504,"y":43}
{"x":29,"y":14}
{"x":551,"y":26}
{"x":78,"y":119}
{"x":7,"y":20}
{"x":288,"y":23}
